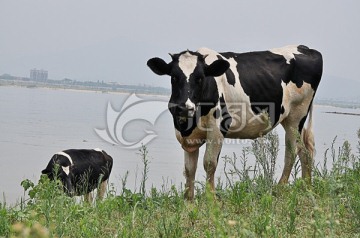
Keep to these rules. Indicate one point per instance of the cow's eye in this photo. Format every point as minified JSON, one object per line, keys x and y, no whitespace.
{"x":173,"y":79}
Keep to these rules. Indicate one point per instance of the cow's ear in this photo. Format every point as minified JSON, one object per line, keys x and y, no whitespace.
{"x":217,"y":68}
{"x":159,"y":66}
{"x":45,"y":171}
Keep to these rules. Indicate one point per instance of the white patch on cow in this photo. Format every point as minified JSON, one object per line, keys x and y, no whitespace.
{"x":245,"y":123}
{"x":288,"y":52}
{"x":98,"y":150}
{"x":187,"y":63}
{"x":211,"y":54}
{"x":66,"y":169}
{"x":190,"y":106}
{"x":296,"y":100}
{"x":66,"y":155}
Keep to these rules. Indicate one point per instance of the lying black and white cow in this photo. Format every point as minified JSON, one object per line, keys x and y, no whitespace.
{"x":81,"y":171}
{"x":231,"y":95}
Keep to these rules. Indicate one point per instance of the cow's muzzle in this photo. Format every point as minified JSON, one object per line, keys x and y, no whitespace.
{"x":182,"y":112}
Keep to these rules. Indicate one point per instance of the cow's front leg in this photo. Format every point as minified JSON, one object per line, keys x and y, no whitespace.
{"x":191,"y":159}
{"x":211,"y":157}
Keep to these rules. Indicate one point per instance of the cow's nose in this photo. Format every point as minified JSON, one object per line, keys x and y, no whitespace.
{"x":182,"y":109}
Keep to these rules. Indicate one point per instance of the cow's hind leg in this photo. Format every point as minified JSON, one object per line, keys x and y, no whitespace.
{"x":298,"y":145}
{"x":290,"y":152}
{"x":191,"y":159}
{"x":101,"y":190}
{"x":306,"y":149}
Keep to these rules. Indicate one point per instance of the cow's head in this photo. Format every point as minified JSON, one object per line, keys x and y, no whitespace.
{"x":56,"y":169}
{"x":189,"y":80}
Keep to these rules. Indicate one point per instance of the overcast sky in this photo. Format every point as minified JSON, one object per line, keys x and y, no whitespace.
{"x":112,"y":40}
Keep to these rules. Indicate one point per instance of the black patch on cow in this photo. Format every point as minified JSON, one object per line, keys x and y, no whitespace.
{"x":282,"y":110}
{"x":216,"y":113}
{"x":230,"y":77}
{"x":226,"y":118}
{"x":261,"y":74}
{"x":308,"y":67}
{"x":209,"y":95}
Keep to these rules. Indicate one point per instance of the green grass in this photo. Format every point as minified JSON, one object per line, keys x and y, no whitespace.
{"x":247,"y":204}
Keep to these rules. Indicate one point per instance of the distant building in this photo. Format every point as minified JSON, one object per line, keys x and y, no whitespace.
{"x":38,"y":75}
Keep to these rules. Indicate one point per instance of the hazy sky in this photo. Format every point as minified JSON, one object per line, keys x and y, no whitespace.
{"x":112,"y":40}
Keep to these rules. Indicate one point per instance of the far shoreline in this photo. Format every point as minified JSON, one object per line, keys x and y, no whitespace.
{"x":344,"y":113}
{"x":82,"y":89}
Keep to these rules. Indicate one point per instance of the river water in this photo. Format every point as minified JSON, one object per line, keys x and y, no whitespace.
{"x":35,"y":123}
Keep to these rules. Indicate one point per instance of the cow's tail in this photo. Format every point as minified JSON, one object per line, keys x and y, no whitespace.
{"x":308,"y":135}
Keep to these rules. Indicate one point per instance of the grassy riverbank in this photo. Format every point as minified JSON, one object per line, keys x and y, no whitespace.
{"x":247,"y":204}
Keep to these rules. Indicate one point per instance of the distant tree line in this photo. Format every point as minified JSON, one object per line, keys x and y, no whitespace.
{"x":99,"y":85}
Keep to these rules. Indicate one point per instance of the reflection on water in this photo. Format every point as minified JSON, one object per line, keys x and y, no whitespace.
{"x":36,"y":123}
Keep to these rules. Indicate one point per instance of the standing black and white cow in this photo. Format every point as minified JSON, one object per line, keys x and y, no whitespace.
{"x":231,"y":95}
{"x":81,"y":171}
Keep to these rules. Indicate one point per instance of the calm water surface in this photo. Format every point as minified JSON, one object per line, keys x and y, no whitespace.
{"x":36,"y":123}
